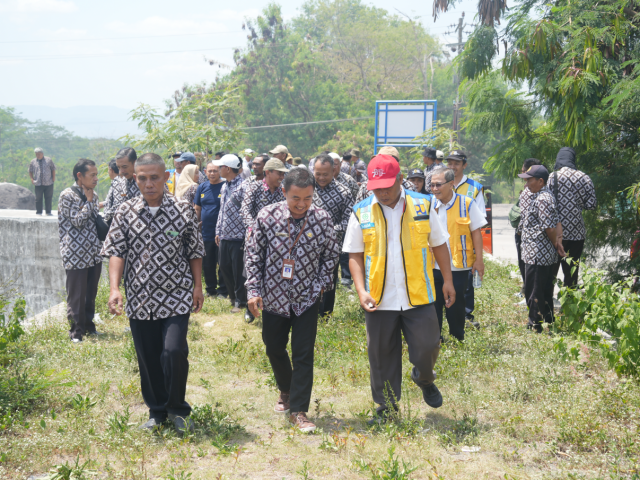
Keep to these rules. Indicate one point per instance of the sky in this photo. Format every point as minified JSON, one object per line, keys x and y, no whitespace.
{"x":120,"y":53}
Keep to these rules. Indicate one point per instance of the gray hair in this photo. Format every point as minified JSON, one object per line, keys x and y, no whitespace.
{"x":38,"y":150}
{"x":299,"y":177}
{"x":324,"y":159}
{"x":150,"y":159}
{"x":448,"y":173}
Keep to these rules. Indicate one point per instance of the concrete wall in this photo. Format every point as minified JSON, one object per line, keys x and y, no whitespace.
{"x":29,"y":252}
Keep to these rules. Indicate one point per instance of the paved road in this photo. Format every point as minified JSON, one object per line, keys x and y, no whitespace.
{"x":504,"y":245}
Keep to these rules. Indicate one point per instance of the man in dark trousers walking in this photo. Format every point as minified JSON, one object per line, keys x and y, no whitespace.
{"x":158,"y":239}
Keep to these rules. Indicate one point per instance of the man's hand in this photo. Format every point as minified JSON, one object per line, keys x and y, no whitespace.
{"x":198,"y":299}
{"x":367,"y":302}
{"x":115,"y":302}
{"x":88,"y":192}
{"x":218,"y":240}
{"x":478,"y":266}
{"x":449,"y":293}
{"x":255,"y":306}
{"x":560,"y":247}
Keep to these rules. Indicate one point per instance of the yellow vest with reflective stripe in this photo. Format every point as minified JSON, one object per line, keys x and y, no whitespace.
{"x":470,"y":188}
{"x":417,"y":261}
{"x":458,"y":225}
{"x":171,"y":182}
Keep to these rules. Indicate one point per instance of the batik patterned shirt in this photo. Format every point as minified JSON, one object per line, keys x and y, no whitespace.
{"x":79,"y":243}
{"x":121,"y":190}
{"x":349,"y":182}
{"x":157,"y":249}
{"x":315,"y":256}
{"x":337,"y":201}
{"x":230,"y":226}
{"x":525,"y":202}
{"x":364,"y":193}
{"x":257,"y":196}
{"x":539,"y":215}
{"x":190,"y":194}
{"x":575,"y":194}
{"x":42,"y":171}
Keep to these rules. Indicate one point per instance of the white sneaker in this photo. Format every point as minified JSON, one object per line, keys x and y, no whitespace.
{"x":76,"y":340}
{"x":522,"y":303}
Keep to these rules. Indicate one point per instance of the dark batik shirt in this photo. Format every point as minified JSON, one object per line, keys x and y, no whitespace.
{"x":315,"y":256}
{"x":525,"y":202}
{"x":337,"y":201}
{"x":575,"y":194}
{"x":42,"y":171}
{"x":157,"y":249}
{"x":121,"y":190}
{"x":539,"y":214}
{"x":190,"y":194}
{"x":257,"y":196}
{"x":428,"y":173}
{"x":364,"y":193}
{"x":79,"y":243}
{"x":349,"y":182}
{"x":230,"y":226}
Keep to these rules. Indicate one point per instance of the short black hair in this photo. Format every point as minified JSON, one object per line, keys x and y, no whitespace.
{"x":235,"y":170}
{"x":299,"y":177}
{"x":82,"y":166}
{"x":150,"y":159}
{"x":530,"y":162}
{"x":128,"y":153}
{"x":220,"y":153}
{"x":114,"y":166}
{"x":347,"y":155}
{"x":324,"y":158}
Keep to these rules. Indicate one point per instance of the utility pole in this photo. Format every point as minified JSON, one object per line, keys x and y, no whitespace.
{"x":456,"y":77}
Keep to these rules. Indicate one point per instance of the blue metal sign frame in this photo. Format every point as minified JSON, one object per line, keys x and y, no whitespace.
{"x":382,"y":107}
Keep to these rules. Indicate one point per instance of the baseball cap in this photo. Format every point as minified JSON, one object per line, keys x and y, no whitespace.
{"x":382,"y":171}
{"x":248,"y":151}
{"x":187,"y":157}
{"x":228,"y":160}
{"x":429,"y":152}
{"x":297,"y":161}
{"x":457,"y":155}
{"x":275,"y":164}
{"x":355,"y":152}
{"x":393,"y":151}
{"x":177,"y":154}
{"x":415,"y":173}
{"x":279,"y":149}
{"x":536,"y":171}
{"x":439,"y":154}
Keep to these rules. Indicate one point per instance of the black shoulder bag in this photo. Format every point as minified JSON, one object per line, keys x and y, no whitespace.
{"x":101,"y":225}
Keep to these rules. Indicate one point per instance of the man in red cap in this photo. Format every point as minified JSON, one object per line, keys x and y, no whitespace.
{"x":389,"y":238}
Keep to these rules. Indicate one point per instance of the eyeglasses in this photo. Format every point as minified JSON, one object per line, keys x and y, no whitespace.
{"x":438,"y":185}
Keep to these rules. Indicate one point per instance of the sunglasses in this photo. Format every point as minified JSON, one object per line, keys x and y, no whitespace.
{"x":438,"y":185}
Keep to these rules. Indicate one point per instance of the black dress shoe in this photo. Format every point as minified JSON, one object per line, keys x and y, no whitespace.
{"x":383,"y":415}
{"x":432,"y":395}
{"x":151,"y":424}
{"x":182,"y":424}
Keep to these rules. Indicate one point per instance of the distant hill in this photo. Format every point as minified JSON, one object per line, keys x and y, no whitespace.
{"x":89,"y":122}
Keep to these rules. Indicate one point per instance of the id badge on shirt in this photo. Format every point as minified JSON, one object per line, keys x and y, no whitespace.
{"x":287,"y":268}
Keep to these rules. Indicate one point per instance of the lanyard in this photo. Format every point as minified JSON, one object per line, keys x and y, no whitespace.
{"x":299,"y":234}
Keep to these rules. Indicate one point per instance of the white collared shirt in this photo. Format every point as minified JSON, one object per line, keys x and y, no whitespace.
{"x":479,"y":199}
{"x":394,"y":296}
{"x":475,"y":215}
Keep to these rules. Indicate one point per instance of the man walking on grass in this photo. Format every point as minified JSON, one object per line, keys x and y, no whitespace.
{"x":158,"y":239}
{"x":388,"y":240}
{"x":291,"y":256}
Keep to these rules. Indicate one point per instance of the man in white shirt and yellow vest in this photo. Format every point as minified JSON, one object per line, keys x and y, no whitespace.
{"x":388,"y":240}
{"x":462,"y":218}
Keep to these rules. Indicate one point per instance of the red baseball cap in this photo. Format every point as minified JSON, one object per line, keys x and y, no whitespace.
{"x":382,"y":172}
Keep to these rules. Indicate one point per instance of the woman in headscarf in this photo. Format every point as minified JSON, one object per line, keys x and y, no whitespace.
{"x":188,"y":183}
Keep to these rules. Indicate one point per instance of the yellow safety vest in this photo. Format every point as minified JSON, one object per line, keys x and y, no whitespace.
{"x":414,"y":238}
{"x":460,"y":242}
{"x":470,"y":188}
{"x":171,"y":182}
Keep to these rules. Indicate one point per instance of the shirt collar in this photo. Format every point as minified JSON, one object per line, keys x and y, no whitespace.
{"x":141,"y":203}
{"x":464,"y":179}
{"x":448,"y":204}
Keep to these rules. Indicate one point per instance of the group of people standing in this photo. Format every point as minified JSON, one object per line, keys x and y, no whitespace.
{"x":271,"y":241}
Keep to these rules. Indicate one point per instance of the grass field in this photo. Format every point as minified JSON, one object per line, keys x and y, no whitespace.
{"x":530,"y":414}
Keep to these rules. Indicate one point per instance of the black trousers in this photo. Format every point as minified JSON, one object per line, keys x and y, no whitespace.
{"x":161,"y":346}
{"x":210,"y":268}
{"x":231,"y":266}
{"x":469,"y":297}
{"x":456,"y":312}
{"x":328,"y":300}
{"x":538,"y":291}
{"x":574,"y":250}
{"x":47,"y":192}
{"x":298,"y":380}
{"x":519,"y":250}
{"x":82,"y":288}
{"x":344,"y":265}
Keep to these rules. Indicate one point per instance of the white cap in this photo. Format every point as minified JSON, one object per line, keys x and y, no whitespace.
{"x":279,"y":149}
{"x":334,"y":155}
{"x":228,"y":160}
{"x":248,"y":151}
{"x":439,"y":154}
